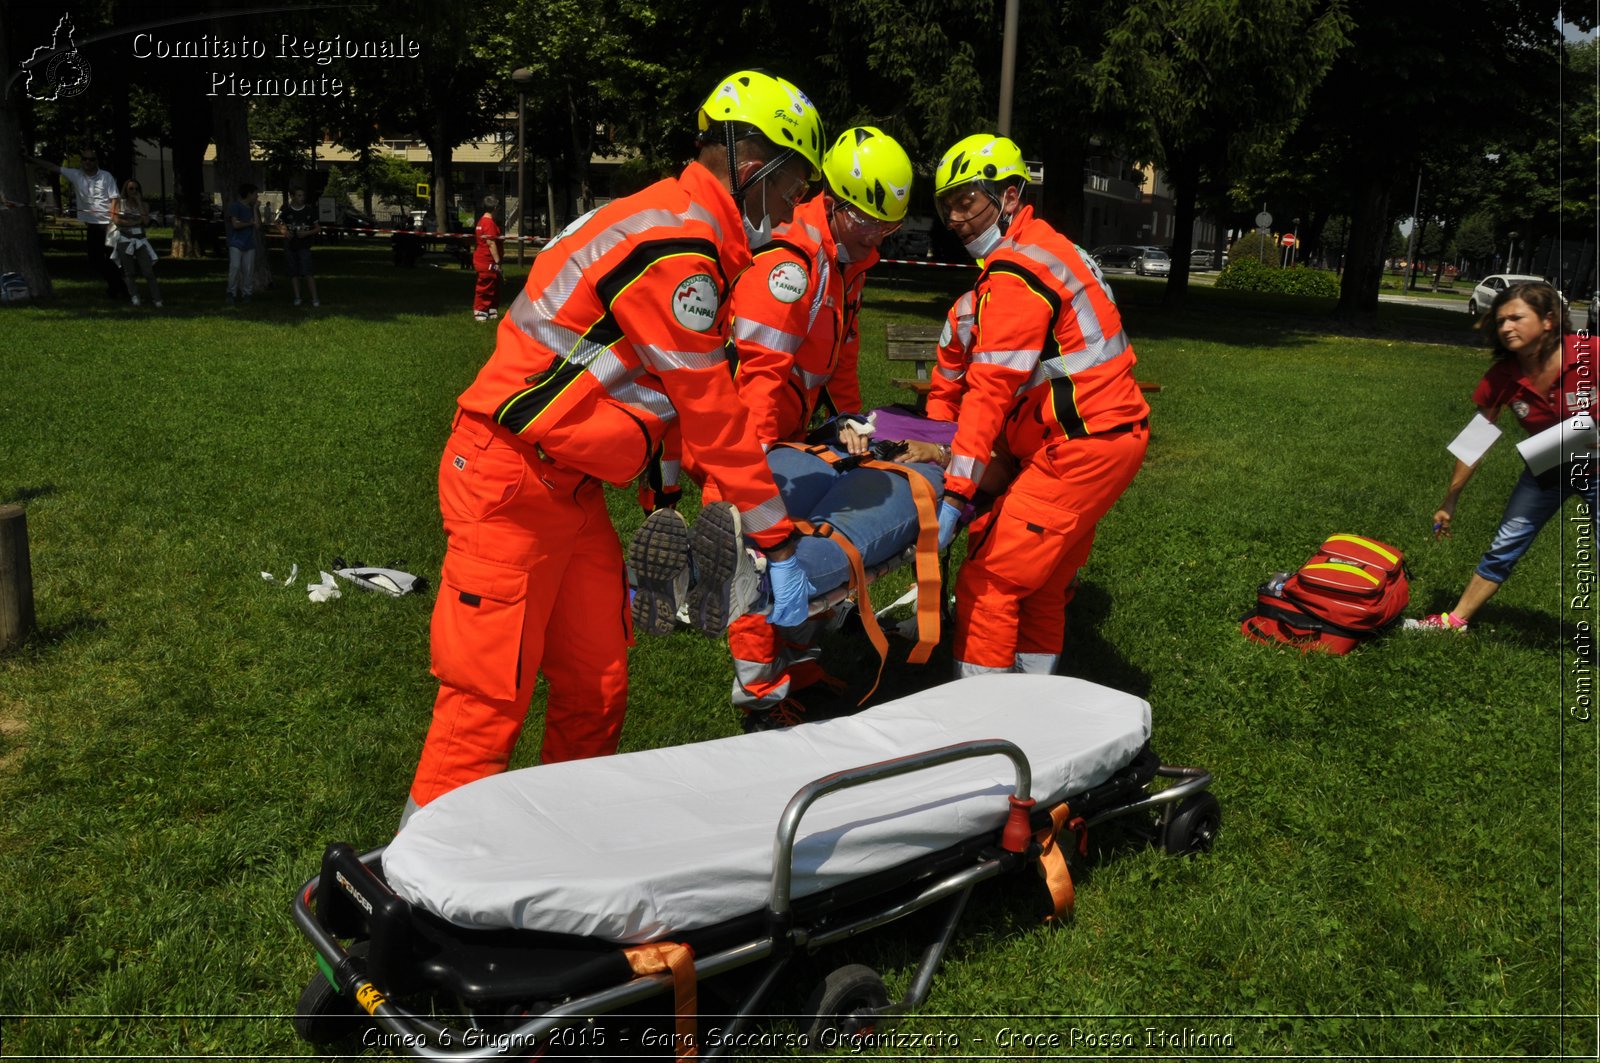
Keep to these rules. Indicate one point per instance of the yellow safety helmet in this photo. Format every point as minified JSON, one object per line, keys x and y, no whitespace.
{"x":980,"y":157}
{"x":868,"y":168}
{"x":780,"y":111}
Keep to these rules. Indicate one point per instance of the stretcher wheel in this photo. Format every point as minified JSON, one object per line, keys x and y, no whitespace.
{"x":1193,"y":825}
{"x":326,"y":1017}
{"x":835,"y":1005}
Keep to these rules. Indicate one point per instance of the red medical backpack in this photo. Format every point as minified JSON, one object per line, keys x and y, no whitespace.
{"x":1353,"y":589}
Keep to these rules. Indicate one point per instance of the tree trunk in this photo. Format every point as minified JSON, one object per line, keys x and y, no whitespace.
{"x":1185,"y":177}
{"x":19,"y":237}
{"x":1363,"y":261}
{"x":442,"y":149}
{"x":191,"y":132}
{"x":1061,"y":202}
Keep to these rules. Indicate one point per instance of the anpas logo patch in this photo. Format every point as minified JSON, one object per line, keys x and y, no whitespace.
{"x":1520,"y":408}
{"x":787,"y":282}
{"x":694,"y":304}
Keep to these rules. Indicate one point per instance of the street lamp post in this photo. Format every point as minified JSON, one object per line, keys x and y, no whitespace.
{"x":1008,"y":66}
{"x":521,"y":77}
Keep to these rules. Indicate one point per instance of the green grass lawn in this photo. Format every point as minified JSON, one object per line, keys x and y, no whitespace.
{"x":1408,"y":858}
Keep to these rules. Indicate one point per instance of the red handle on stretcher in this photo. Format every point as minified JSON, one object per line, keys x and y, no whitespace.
{"x":1014,"y":839}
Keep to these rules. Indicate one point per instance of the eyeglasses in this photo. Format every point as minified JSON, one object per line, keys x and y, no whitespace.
{"x":857,"y":220}
{"x":966,"y":203}
{"x":796,"y":192}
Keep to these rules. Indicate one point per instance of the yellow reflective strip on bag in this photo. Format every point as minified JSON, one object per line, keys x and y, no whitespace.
{"x":1340,"y":566}
{"x":1368,"y":543}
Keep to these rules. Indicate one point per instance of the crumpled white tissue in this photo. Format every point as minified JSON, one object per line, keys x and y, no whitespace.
{"x":327,"y":589}
{"x":294,"y":573}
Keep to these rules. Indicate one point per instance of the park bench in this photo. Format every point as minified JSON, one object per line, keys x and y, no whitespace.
{"x":916,"y":344}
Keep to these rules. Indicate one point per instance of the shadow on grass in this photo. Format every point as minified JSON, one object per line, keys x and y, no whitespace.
{"x":42,"y":640}
{"x":24,"y":495}
{"x":1087,"y":655}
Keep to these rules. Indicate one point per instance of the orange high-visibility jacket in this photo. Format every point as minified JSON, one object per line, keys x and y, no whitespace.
{"x":955,"y":348}
{"x":1050,"y":358}
{"x":794,"y":326}
{"x":620,"y":334}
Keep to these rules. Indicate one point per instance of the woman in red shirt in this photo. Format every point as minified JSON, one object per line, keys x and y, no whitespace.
{"x":1545,"y":376}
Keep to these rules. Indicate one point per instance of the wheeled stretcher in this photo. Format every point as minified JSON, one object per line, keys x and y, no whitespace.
{"x":521,"y":910}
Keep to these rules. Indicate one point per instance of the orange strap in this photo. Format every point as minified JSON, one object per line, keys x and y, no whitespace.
{"x":1053,"y":865}
{"x":928,"y":585}
{"x":679,"y":959}
{"x":858,"y":583}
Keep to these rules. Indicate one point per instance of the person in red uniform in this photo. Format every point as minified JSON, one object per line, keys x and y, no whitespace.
{"x":796,"y":339}
{"x":618,"y":334}
{"x":1545,"y":375}
{"x":1051,"y":381}
{"x":486,"y":253}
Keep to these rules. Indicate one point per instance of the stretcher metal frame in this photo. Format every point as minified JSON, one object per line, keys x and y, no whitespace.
{"x":353,"y":886}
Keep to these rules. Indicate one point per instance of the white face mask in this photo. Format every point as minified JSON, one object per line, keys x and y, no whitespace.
{"x":758,"y":235}
{"x":985,"y":242}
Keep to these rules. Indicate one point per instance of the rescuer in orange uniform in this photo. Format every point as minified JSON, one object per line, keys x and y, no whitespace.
{"x":1050,"y":380}
{"x":795,"y":313}
{"x":618,"y":334}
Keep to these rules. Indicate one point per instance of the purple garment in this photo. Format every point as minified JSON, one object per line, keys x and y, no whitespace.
{"x":898,"y":424}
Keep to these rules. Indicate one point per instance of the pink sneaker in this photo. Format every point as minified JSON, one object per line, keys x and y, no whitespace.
{"x":1437,"y":622}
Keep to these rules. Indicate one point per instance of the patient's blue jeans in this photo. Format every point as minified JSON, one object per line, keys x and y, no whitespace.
{"x":1530,"y":507}
{"x":870,"y":507}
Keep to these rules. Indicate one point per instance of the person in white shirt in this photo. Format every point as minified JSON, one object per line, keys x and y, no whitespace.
{"x":95,"y":189}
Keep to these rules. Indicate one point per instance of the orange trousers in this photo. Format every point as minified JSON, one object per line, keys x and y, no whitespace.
{"x":533,"y":581}
{"x":1011,"y":595}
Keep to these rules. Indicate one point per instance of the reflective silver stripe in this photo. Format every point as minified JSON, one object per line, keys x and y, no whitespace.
{"x":772,"y":338}
{"x":951,"y":374}
{"x":562,"y":286}
{"x":662,"y":360}
{"x":767,"y":515}
{"x":810,"y":380}
{"x":965,"y":669}
{"x":963,"y":467}
{"x":650,"y":400}
{"x":1096,"y":353}
{"x":1023,"y":359}
{"x":1097,"y":347}
{"x":670,"y":471}
{"x":824,"y":274}
{"x":1036,"y":663}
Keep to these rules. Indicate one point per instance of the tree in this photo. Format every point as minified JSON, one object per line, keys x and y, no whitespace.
{"x":1420,"y":76}
{"x":1218,"y":85}
{"x":19,"y":237}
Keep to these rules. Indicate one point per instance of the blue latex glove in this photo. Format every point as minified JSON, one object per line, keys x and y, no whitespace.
{"x":949,"y":524}
{"x":791,"y":592}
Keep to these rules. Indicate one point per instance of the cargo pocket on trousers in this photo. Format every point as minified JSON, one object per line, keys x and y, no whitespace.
{"x":476,"y":638}
{"x":1026,"y":540}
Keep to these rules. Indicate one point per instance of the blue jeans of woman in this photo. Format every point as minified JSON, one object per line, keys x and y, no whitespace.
{"x":874,"y":510}
{"x":870,"y":507}
{"x":1530,"y":507}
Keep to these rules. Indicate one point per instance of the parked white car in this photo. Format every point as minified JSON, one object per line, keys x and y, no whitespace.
{"x":1493,"y":285}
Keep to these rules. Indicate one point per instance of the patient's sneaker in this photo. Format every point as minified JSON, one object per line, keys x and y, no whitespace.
{"x":1437,"y":622}
{"x":727,"y":583}
{"x":659,"y":557}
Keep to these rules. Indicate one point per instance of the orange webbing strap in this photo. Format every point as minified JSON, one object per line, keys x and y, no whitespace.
{"x":928,"y":582}
{"x":1053,"y":865}
{"x":679,"y":959}
{"x":858,"y":583}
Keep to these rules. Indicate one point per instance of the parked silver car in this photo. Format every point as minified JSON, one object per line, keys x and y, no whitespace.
{"x":1152,"y":261}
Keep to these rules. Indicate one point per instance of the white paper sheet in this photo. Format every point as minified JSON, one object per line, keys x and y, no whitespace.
{"x":1559,"y":443}
{"x":1475,"y":439}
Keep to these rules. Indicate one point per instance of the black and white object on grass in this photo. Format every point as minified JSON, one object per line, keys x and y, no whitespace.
{"x":390,"y":581}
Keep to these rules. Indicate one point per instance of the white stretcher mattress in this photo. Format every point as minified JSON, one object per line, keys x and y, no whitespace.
{"x":639,"y":846}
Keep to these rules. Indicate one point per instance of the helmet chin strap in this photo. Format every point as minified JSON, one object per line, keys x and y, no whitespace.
{"x":737,"y":187}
